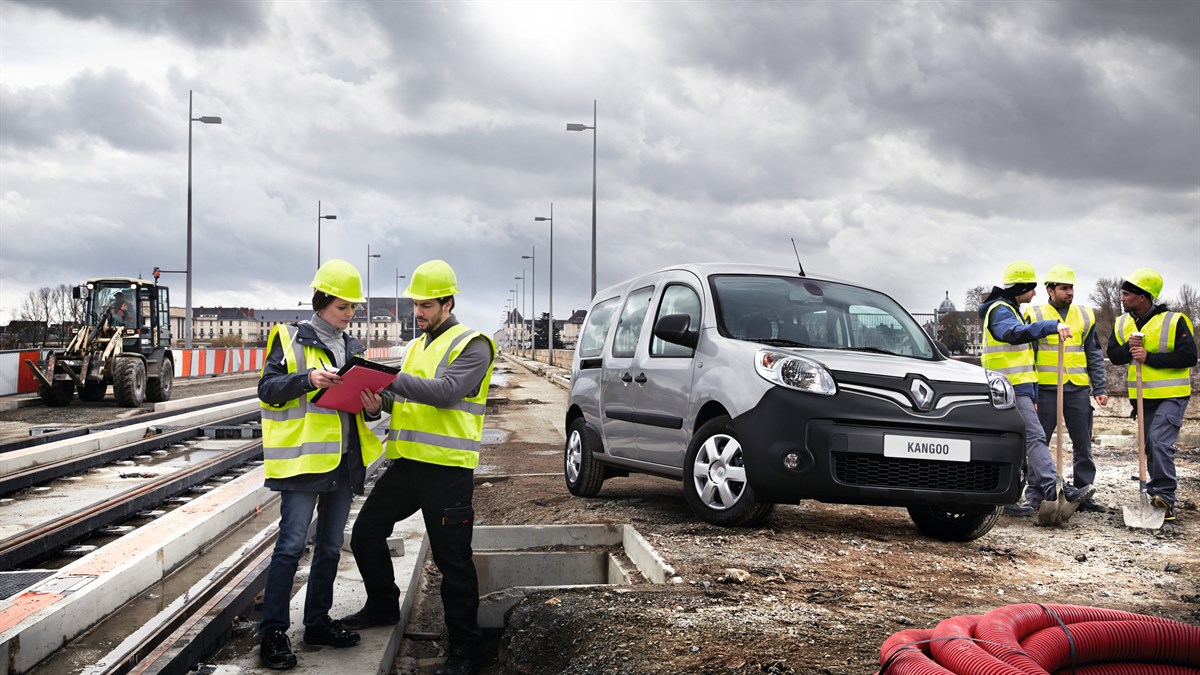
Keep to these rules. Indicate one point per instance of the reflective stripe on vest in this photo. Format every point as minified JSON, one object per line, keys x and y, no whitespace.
{"x":449,"y":435}
{"x":300,"y":437}
{"x":1081,"y":320}
{"x":1013,"y":361}
{"x":1158,"y":338}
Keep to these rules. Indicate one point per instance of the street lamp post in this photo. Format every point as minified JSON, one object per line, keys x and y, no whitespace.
{"x":187,"y":317}
{"x":319,"y":219}
{"x":550,"y":319}
{"x":532,"y":301}
{"x":399,"y":324}
{"x":368,"y":293}
{"x":582,"y":127}
{"x":522,"y":278}
{"x":516,"y":333}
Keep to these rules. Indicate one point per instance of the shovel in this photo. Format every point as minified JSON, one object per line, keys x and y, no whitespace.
{"x":1059,"y":510}
{"x":1142,"y":514}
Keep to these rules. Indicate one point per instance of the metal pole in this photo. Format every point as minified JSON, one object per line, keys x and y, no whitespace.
{"x":550,"y":319}
{"x":397,"y":305}
{"x":533,"y":308}
{"x":593,"y":200}
{"x":318,"y":234}
{"x":187,"y":316}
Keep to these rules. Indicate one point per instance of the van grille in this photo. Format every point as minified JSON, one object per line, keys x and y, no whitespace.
{"x":893,"y":472}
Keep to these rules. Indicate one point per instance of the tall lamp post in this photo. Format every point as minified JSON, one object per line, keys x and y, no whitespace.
{"x":187,"y":317}
{"x":522,"y":278}
{"x":532,"y":302}
{"x":368,"y":294}
{"x":516,"y":333}
{"x":583,"y":127}
{"x":319,"y":219}
{"x":550,"y":319}
{"x":399,"y":324}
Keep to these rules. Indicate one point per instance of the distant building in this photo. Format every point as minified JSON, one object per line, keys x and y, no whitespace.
{"x":254,"y":325}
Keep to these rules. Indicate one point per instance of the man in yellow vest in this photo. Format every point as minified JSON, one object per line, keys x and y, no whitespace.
{"x":1008,"y":349}
{"x":1083,"y":374}
{"x":1162,"y":343}
{"x":436,"y":429}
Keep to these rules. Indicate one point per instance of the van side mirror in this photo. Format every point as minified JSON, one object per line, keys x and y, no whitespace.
{"x":673,"y":328}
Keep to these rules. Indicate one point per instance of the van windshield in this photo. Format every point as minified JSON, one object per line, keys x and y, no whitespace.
{"x":798,"y":312}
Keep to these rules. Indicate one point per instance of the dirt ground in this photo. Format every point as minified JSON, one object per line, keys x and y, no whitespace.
{"x":819,"y":587}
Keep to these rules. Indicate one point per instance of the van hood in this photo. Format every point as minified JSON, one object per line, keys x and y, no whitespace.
{"x":895,"y":366}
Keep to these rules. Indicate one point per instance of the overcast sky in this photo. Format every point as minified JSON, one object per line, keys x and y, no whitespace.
{"x":914,"y":147}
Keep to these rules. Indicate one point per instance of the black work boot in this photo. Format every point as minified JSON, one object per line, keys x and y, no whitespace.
{"x":331,"y":633}
{"x":460,"y":660}
{"x":276,"y":651}
{"x":366,"y":618}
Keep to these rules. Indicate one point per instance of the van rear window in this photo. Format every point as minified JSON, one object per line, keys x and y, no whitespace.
{"x":591,"y":340}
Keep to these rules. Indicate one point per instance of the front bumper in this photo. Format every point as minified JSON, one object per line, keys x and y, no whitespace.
{"x":838,"y":441}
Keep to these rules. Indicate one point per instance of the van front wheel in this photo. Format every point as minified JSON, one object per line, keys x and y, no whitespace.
{"x":948,"y":525}
{"x":583,"y":473}
{"x":714,"y":478}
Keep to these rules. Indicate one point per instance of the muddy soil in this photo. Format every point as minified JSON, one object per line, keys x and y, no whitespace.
{"x":820,"y":586}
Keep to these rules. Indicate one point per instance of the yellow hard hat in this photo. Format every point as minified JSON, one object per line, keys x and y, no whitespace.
{"x":1146,"y":279}
{"x":1019,"y":272}
{"x":1060,"y":274}
{"x":432,"y":279}
{"x":339,"y":279}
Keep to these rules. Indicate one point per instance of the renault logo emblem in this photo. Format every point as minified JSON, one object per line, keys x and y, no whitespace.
{"x":922,"y":395}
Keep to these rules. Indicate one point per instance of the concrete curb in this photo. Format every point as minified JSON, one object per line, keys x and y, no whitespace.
{"x":557,"y":376}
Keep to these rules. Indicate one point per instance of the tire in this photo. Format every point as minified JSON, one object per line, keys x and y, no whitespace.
{"x":159,"y":388}
{"x":93,"y":391}
{"x":945,"y":525}
{"x":129,"y":382}
{"x":59,"y":395}
{"x":583,"y":473}
{"x":714,"y":478}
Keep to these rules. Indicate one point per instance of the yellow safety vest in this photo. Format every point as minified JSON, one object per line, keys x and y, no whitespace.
{"x":1081,"y":320}
{"x":1013,"y":361}
{"x":1158,"y":337}
{"x":301,"y":437}
{"x":447,"y":436}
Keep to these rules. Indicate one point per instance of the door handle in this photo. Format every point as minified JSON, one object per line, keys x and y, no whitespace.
{"x":626,"y":378}
{"x":640,"y":379}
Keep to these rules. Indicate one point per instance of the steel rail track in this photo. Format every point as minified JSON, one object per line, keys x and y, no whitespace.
{"x":20,"y":480}
{"x":30,"y":544}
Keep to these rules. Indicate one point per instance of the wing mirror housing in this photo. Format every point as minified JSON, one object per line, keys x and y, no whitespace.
{"x":675,"y":328}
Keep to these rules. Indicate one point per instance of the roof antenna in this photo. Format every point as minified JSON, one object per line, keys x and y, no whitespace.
{"x":798,"y":263}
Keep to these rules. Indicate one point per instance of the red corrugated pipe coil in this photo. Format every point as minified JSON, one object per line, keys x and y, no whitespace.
{"x":1036,"y":639}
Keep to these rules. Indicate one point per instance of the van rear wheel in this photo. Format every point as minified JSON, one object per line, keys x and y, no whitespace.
{"x":946,"y":525}
{"x":583,"y":473}
{"x":714,"y":477}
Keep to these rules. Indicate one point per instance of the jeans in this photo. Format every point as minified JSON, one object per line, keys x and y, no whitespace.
{"x":443,"y":495}
{"x":295,"y":515}
{"x":1040,"y":475}
{"x":1077,"y":420}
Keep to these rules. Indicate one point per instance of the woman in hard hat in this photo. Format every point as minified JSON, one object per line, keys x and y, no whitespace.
{"x":314,"y":457}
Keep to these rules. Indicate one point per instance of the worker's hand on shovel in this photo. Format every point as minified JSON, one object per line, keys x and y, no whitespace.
{"x":1136,"y":350}
{"x":1064,"y":331}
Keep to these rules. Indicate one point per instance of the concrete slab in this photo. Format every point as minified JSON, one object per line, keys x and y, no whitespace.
{"x":187,"y":403}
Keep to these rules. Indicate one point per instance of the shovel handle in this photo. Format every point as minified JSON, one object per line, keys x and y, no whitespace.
{"x":1058,"y":429}
{"x":1141,"y":429}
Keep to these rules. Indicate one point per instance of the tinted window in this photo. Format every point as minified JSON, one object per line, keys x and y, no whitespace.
{"x":629,"y":327}
{"x":591,"y":340}
{"x":676,"y":299}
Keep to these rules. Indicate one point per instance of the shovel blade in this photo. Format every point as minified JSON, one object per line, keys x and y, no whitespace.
{"x":1053,"y":512}
{"x":1143,"y":515}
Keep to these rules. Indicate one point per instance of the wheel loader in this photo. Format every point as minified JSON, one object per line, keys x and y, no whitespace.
{"x":125,"y":341}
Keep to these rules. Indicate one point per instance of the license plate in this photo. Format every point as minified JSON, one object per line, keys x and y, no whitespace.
{"x":916,"y":447}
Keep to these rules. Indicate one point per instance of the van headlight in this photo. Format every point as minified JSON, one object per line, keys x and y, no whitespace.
{"x":1003,"y":395}
{"x":794,"y":372}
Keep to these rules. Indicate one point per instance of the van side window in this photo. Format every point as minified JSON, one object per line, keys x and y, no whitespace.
{"x":629,"y":326}
{"x":591,"y":340}
{"x":676,"y":299}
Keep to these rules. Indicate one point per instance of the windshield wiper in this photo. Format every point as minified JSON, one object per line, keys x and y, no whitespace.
{"x":781,"y":342}
{"x":873,"y":350}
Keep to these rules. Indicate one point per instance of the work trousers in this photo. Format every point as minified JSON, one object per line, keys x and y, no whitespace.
{"x":443,"y":495}
{"x":1164,"y":417}
{"x":295,"y":515}
{"x":1077,"y":418}
{"x":1040,"y":476}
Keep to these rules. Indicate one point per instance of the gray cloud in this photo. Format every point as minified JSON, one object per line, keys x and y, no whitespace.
{"x":203,"y":24}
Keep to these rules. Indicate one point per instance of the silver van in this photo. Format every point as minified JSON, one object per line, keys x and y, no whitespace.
{"x":758,"y":385}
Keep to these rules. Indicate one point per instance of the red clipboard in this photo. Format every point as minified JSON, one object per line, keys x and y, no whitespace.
{"x":357,"y":374}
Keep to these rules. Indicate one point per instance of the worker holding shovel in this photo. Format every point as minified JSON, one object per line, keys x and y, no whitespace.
{"x":1008,"y":350}
{"x":1159,"y":346}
